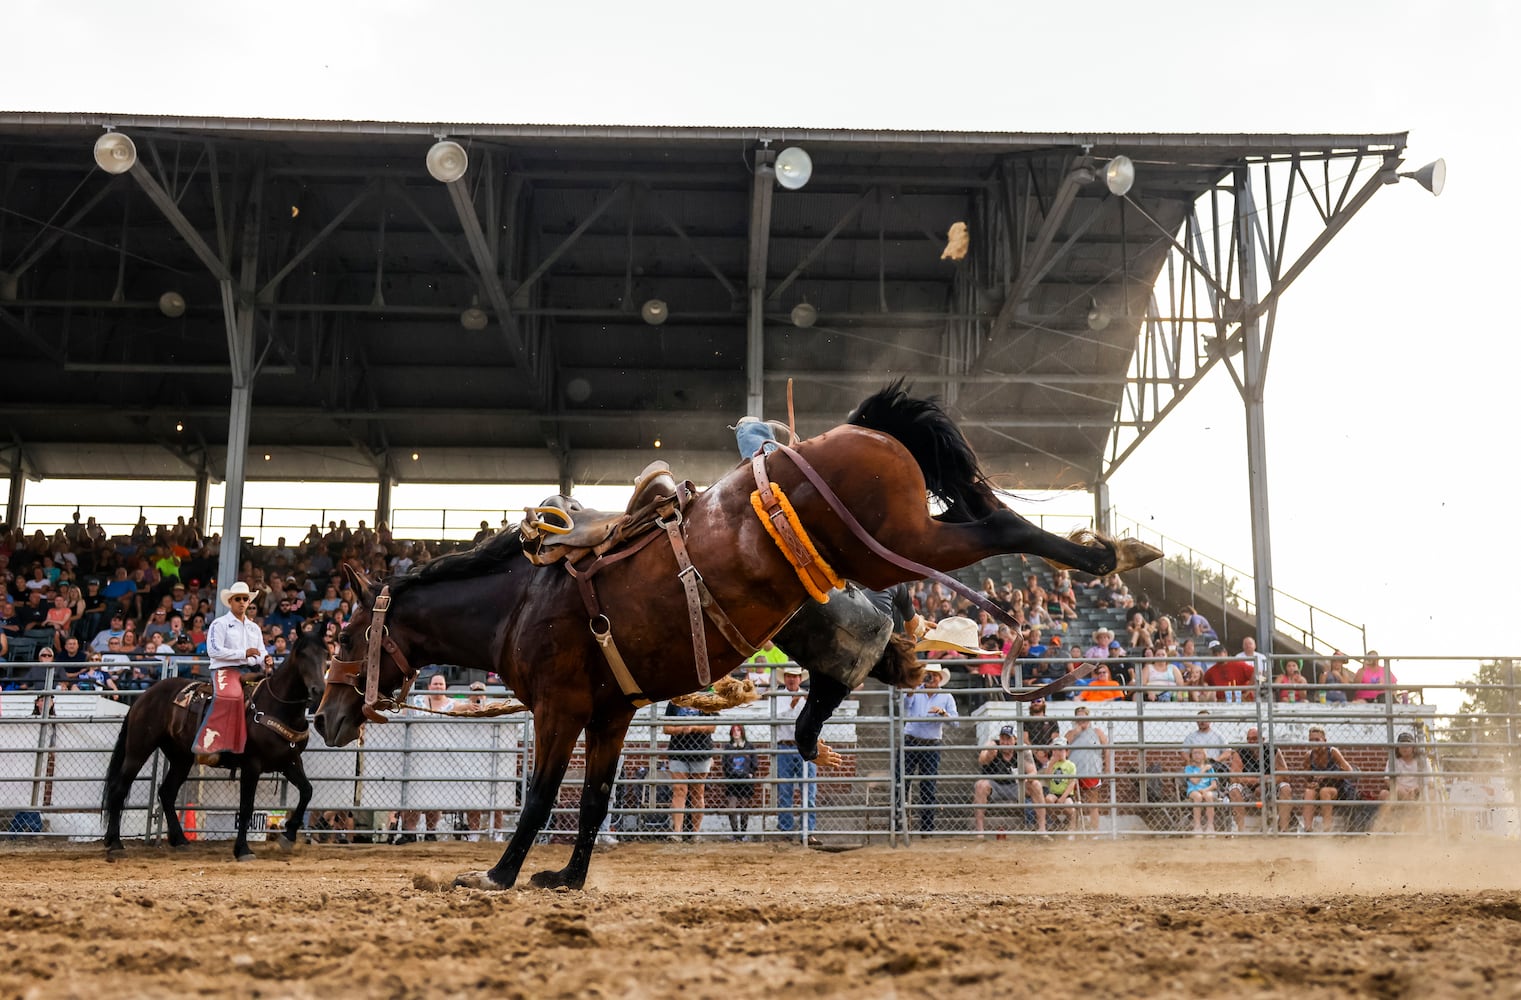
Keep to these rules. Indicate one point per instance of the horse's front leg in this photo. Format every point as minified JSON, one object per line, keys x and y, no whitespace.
{"x":543,"y":789}
{"x":295,"y":773}
{"x":248,"y":784}
{"x":603,"y":744}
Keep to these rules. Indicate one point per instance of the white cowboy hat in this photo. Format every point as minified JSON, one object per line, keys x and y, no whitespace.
{"x":241,"y":589}
{"x":935,"y":668}
{"x":955,"y":634}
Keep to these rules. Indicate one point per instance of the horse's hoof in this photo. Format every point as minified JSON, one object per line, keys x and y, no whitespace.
{"x":479,"y":880}
{"x":247,"y":856}
{"x":555,"y":880}
{"x":179,"y":845}
{"x":1130,"y":553}
{"x":115,"y":852}
{"x":286,"y":846}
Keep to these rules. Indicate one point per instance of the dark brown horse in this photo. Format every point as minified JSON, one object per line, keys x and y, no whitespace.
{"x":277,"y":734}
{"x":491,"y":609}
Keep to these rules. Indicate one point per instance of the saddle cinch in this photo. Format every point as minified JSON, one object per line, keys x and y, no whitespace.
{"x":561,"y":528}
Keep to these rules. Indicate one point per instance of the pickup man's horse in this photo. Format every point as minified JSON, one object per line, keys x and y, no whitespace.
{"x":166,"y":716}
{"x":744,"y":555}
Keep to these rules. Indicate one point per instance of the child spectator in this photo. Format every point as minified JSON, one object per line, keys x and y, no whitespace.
{"x":1200,"y":790}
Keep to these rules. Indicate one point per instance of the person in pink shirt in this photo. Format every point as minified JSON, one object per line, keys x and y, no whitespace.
{"x":1375,"y":676}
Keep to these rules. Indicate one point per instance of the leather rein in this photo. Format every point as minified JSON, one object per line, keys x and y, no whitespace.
{"x":347,"y":672}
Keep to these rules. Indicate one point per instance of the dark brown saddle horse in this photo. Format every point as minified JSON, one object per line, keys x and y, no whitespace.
{"x":166,"y":717}
{"x":856,"y":497}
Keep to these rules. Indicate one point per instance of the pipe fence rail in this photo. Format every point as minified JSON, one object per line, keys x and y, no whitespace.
{"x":1407,"y":761}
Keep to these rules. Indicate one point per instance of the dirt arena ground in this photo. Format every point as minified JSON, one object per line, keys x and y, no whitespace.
{"x":1186,"y":918}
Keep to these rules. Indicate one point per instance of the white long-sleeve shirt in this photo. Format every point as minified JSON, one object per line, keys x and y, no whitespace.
{"x":228,"y":641}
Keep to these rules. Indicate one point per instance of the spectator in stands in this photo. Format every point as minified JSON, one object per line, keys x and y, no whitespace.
{"x":1088,"y":746}
{"x":1102,"y":687}
{"x":1066,"y":596}
{"x":1326,"y":781}
{"x":690,"y":758}
{"x":435,"y":700}
{"x":1195,"y":624}
{"x":60,"y":617}
{"x":483,"y":534}
{"x":1292,"y":684}
{"x":1409,"y":778}
{"x":1039,"y":734}
{"x":158,"y":623}
{"x":1200,"y":790}
{"x":1099,"y":650}
{"x":1337,"y":679}
{"x":1060,"y":785}
{"x":999,"y":763}
{"x":95,"y":610}
{"x":1139,"y":631}
{"x":1248,"y":773}
{"x":1205,"y":736}
{"x":1378,"y":680}
{"x":115,"y":629}
{"x":1162,"y":633}
{"x":740,"y":767}
{"x":1235,"y":675}
{"x":72,"y":652}
{"x":926,"y":708}
{"x":1159,"y":678}
{"x":1193,"y":678}
{"x":284,"y":616}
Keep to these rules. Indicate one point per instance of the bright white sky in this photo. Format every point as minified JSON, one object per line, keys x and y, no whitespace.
{"x":1392,"y":386}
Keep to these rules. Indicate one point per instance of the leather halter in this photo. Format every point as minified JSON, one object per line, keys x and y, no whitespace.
{"x":347,"y":671}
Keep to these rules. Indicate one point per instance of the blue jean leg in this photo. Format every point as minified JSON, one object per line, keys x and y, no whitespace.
{"x":792,"y":766}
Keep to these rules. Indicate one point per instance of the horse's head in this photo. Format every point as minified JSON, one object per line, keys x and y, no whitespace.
{"x":309,"y":660}
{"x":368,"y":673}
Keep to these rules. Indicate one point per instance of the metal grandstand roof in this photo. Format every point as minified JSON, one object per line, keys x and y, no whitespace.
{"x":1070,"y":329}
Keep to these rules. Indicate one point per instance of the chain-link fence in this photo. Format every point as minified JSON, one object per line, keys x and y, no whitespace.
{"x":1157,"y":761}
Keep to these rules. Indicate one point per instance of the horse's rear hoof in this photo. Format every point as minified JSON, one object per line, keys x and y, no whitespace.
{"x":479,"y":880}
{"x":556,"y":880}
{"x":286,"y":846}
{"x":179,"y":845}
{"x":247,"y":856}
{"x":115,"y":852}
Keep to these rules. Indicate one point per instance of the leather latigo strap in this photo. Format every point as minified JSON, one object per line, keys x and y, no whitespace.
{"x":797,"y":551}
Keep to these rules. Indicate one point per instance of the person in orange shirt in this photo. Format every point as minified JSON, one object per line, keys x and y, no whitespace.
{"x":1103,"y":687}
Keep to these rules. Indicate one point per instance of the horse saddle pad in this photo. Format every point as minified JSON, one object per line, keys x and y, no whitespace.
{"x":561,"y":526}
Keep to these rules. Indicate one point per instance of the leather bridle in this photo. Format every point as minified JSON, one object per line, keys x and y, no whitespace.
{"x":347,"y":672}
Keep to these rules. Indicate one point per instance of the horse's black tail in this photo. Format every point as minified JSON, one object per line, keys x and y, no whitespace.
{"x":950,"y":467}
{"x":113,"y":770}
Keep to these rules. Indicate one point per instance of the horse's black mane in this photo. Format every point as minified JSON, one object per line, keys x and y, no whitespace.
{"x":487,"y":557}
{"x":950,"y":467}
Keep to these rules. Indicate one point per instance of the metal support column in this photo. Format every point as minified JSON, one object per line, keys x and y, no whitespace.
{"x":238,"y":312}
{"x":761,"y":190}
{"x":383,"y":497}
{"x":1253,"y":381}
{"x":1101,"y":508}
{"x":201,"y":506}
{"x":15,"y":499}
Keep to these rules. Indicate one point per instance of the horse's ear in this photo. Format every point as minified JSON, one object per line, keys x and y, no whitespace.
{"x":362,"y":582}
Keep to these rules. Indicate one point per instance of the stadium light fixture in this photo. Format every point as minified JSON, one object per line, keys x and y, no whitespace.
{"x":1098,"y":316}
{"x":804,"y":315}
{"x":172,"y":304}
{"x":447,"y":161}
{"x":793,"y":167}
{"x":1432,"y":177}
{"x":655,"y":312}
{"x":115,"y":153}
{"x":474,"y":317}
{"x":1119,"y":175}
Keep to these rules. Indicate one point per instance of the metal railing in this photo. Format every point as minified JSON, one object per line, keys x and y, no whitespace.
{"x":466,"y":777}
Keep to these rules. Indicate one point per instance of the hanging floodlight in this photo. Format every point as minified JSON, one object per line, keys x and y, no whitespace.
{"x":1119,"y":175}
{"x":655,"y":312}
{"x":804,"y":315}
{"x":115,"y":153}
{"x":447,"y":161}
{"x":1098,"y":316}
{"x":474,"y":318}
{"x":1432,"y":177}
{"x":10,"y":287}
{"x":172,"y":304}
{"x":793,"y":167}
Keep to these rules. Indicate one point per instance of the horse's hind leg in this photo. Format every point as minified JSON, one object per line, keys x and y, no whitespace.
{"x":126,"y":761}
{"x":603,"y":744}
{"x":169,"y":792}
{"x":559,"y":739}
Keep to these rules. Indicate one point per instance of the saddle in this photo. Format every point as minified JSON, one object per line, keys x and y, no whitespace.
{"x":561,"y":528}
{"x":194,"y":701}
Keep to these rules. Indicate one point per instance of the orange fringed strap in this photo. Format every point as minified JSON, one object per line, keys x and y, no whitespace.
{"x":816,"y":575}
